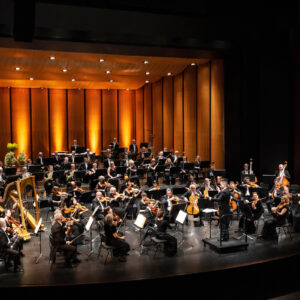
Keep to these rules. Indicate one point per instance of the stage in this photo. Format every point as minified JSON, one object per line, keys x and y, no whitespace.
{"x":192,"y":258}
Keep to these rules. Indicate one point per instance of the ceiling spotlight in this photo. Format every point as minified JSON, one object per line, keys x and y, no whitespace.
{"x":147,"y":73}
{"x":107,"y":72}
{"x":52,"y":57}
{"x":18,"y":68}
{"x":169,"y":74}
{"x":73,"y":79}
{"x":42,"y":88}
{"x":111,"y":80}
{"x":79,"y":89}
{"x":101,"y":60}
{"x":8,"y":87}
{"x":31,"y":78}
{"x":127,"y":89}
{"x":108,"y":89}
{"x":146,"y":62}
{"x":64,"y":70}
{"x":147,"y":81}
{"x":193,"y":64}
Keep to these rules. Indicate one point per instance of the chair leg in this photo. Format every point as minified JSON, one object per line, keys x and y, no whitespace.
{"x":99,"y":250}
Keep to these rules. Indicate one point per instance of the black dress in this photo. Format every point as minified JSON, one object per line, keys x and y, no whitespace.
{"x":121,"y":247}
{"x":171,"y":244}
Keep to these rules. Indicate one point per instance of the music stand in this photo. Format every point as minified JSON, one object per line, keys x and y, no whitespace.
{"x":139,"y":225}
{"x":205,"y":164}
{"x":79,"y":159}
{"x":49,"y":161}
{"x":209,"y":212}
{"x":10,"y":171}
{"x":181,"y":219}
{"x":36,"y":232}
{"x":80,"y":149}
{"x":268,"y":178}
{"x":88,"y":229}
{"x":251,"y":177}
{"x":143,"y":145}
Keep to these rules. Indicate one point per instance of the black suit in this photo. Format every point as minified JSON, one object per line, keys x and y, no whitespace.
{"x":58,"y":236}
{"x":223,"y":198}
{"x":150,"y":218}
{"x":39,"y":161}
{"x":85,"y":166}
{"x":133,"y":148}
{"x":286,"y":174}
{"x":99,"y":214}
{"x":74,"y":147}
{"x":7,"y":250}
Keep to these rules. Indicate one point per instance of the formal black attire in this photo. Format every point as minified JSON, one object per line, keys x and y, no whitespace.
{"x":107,"y":162}
{"x":39,"y":161}
{"x":133,"y":148}
{"x":121,"y":247}
{"x":114,"y":181}
{"x":286,"y":174}
{"x":170,"y":247}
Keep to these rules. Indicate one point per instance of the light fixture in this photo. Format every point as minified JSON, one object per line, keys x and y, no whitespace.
{"x":79,"y":89}
{"x":18,"y":68}
{"x":108,"y":89}
{"x":42,"y":88}
{"x":169,"y":74}
{"x":111,"y":80}
{"x":107,"y":72}
{"x":146,"y":62}
{"x":101,"y":60}
{"x":193,"y":64}
{"x":64,"y":70}
{"x":8,"y":87}
{"x":52,"y":57}
{"x":31,"y":78}
{"x":73,"y":79}
{"x":147,"y":81}
{"x":127,"y":89}
{"x":147,"y":73}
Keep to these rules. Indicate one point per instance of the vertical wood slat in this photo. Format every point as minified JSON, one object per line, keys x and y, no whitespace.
{"x":110,"y":122}
{"x":217,"y":114}
{"x":168,"y":112}
{"x":157,"y":116}
{"x":5,"y":121}
{"x":21,"y":120}
{"x":93,"y":120}
{"x":40,"y":123}
{"x":178,"y":113}
{"x":139,"y":112}
{"x":147,"y":112}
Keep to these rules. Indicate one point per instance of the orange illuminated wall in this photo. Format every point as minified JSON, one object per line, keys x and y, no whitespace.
{"x":58,"y":120}
{"x":20,"y":103}
{"x":126,"y":117}
{"x":168,"y":113}
{"x":5,"y":133}
{"x":147,"y":112}
{"x":157,"y":109}
{"x":139,"y":116}
{"x":93,"y":120}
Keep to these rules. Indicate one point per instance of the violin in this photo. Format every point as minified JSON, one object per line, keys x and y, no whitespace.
{"x":116,"y":218}
{"x":12,"y":220}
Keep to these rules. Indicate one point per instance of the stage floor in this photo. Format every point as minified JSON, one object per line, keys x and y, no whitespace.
{"x":192,"y":257}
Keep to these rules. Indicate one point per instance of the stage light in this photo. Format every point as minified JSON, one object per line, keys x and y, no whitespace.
{"x":147,"y":81}
{"x":127,"y":89}
{"x":169,"y":74}
{"x":64,"y":70}
{"x":147,"y":73}
{"x":107,"y":72}
{"x":193,"y":64}
{"x":101,"y":60}
{"x":111,"y":80}
{"x":146,"y":62}
{"x":31,"y":78}
{"x":18,"y":68}
{"x":52,"y":57}
{"x":73,"y":79}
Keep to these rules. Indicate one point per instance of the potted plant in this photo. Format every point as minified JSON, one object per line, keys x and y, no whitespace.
{"x":10,"y":159}
{"x":21,"y":159}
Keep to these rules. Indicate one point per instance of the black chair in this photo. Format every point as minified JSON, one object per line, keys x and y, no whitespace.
{"x":103,"y":245}
{"x":158,"y":244}
{"x":53,"y":251}
{"x":294,"y":188}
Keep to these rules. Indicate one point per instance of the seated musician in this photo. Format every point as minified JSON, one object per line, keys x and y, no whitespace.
{"x":11,"y":231}
{"x":54,"y":198}
{"x":191,"y":180}
{"x":235,"y":196}
{"x":70,"y":174}
{"x":131,"y":172}
{"x":125,"y":160}
{"x":58,"y":232}
{"x":57,"y":160}
{"x":77,"y":216}
{"x":40,"y":159}
{"x":155,"y":186}
{"x":25,"y":173}
{"x":92,"y":173}
{"x":176,"y":158}
{"x":133,"y":148}
{"x":160,"y":156}
{"x":206,"y":187}
{"x":274,"y":194}
{"x":167,"y":202}
{"x":150,"y":216}
{"x":66,"y":163}
{"x":246,"y":170}
{"x":72,"y":157}
{"x":49,"y":173}
{"x":144,"y":201}
{"x":130,"y":195}
{"x":283,"y":174}
{"x":74,"y":190}
{"x":102,"y":186}
{"x":6,"y":248}
{"x":121,"y":247}
{"x":211,"y":171}
{"x":183,"y":172}
{"x":88,"y":155}
{"x":85,"y":165}
{"x":99,"y":203}
{"x":114,"y":196}
{"x":170,"y":247}
{"x":2,"y":181}
{"x":279,"y":214}
{"x":189,"y":197}
{"x":112,"y":175}
{"x":197,"y":167}
{"x":151,"y":172}
{"x":108,"y":160}
{"x":168,"y":166}
{"x":248,"y":184}
{"x":252,"y":210}
{"x":74,"y":146}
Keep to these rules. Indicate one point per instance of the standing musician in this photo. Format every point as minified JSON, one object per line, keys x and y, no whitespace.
{"x":58,"y":233}
{"x":74,"y":146}
{"x":121,"y":247}
{"x":133,"y":148}
{"x":112,"y":175}
{"x":182,"y":173}
{"x":6,"y":248}
{"x":283,"y":174}
{"x":197,"y":168}
{"x":235,"y":196}
{"x":176,"y":158}
{"x":168,"y":166}
{"x":279,"y":214}
{"x":151,"y":172}
{"x":223,"y":198}
{"x":125,"y":160}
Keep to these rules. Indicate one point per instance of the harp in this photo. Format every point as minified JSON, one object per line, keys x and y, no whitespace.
{"x":21,"y":195}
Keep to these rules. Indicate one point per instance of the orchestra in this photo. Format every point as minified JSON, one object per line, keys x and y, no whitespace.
{"x":123,"y":184}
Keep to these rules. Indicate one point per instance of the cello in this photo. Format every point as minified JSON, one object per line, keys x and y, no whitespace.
{"x":193,"y":208}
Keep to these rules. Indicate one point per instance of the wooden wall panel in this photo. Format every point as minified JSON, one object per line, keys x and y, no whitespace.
{"x":58,"y":120}
{"x":147,"y":112}
{"x":93,"y":120}
{"x":5,"y":134}
{"x":178,"y":113}
{"x":217,"y":114}
{"x":157,"y":108}
{"x":110,"y":116}
{"x":203,"y":111}
{"x":76,"y":117}
{"x":21,"y":120}
{"x":190,"y":113}
{"x":168,"y":113}
{"x":139,"y":116}
{"x":39,"y":122}
{"x":126,"y":117}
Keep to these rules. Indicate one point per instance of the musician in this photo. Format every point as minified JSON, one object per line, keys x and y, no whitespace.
{"x":58,"y":232}
{"x":49,"y":173}
{"x":168,"y":166}
{"x":121,"y":247}
{"x":160,"y":158}
{"x":248,"y":184}
{"x":183,"y":172}
{"x":98,"y":201}
{"x":2,"y":181}
{"x":40,"y":159}
{"x":25,"y":173}
{"x":125,"y":160}
{"x":191,"y":180}
{"x":191,"y":196}
{"x":114,"y":197}
{"x":150,"y":217}
{"x":206,"y":187}
{"x":85,"y":165}
{"x":274,"y":194}
{"x":176,"y":158}
{"x":57,"y":160}
{"x":108,"y":160}
{"x":151,"y":172}
{"x":28,"y":163}
{"x":112,"y":175}
{"x":170,"y":247}
{"x":223,"y":198}
{"x":246,"y":170}
{"x":155,"y":186}
{"x":133,"y":148}
{"x":6,"y":248}
{"x":17,"y":241}
{"x":211,"y":171}
{"x":279,"y":214}
{"x":131,"y":172}
{"x":89,"y":155}
{"x":252,"y":210}
{"x":197,"y":167}
{"x":74,"y":146}
{"x":66,"y":164}
{"x":282,"y":172}
{"x":143,"y":202}
{"x":70,"y":174}
{"x":73,"y":190}
{"x":72,"y":157}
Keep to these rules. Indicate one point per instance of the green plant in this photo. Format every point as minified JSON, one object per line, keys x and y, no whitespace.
{"x":21,"y":158}
{"x":9,"y":159}
{"x":12,"y":146}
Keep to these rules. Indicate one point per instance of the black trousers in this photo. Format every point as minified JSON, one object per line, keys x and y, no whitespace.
{"x":13,"y":255}
{"x":69,"y":252}
{"x":121,"y":247}
{"x":224,"y":224}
